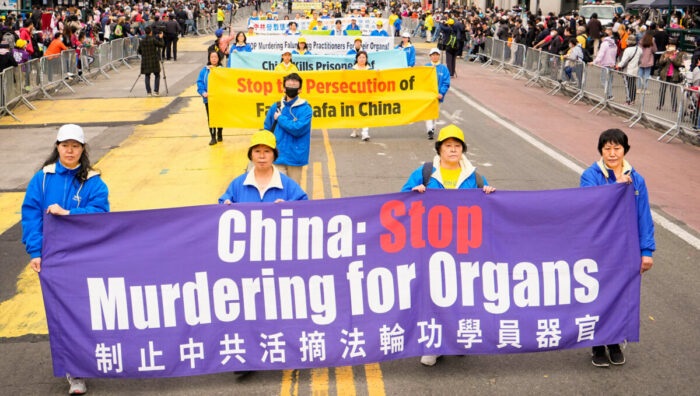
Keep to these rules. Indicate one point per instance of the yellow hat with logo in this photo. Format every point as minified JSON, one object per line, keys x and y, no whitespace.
{"x":263,"y":137}
{"x":451,"y":131}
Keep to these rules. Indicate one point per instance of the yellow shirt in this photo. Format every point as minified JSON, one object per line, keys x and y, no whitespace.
{"x":450,"y":177}
{"x":286,"y":68}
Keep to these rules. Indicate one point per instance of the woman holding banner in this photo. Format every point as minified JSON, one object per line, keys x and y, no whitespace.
{"x":203,"y":90}
{"x":609,"y":169}
{"x":241,"y":44}
{"x":408,"y":49}
{"x":286,"y":64}
{"x":450,"y":169}
{"x":264,"y":182}
{"x":302,"y":49}
{"x":66,"y":185}
{"x":361,"y":64}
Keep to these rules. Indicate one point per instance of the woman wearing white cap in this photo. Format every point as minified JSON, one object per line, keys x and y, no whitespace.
{"x":408,"y":49}
{"x":264,"y":182}
{"x":443,"y":77}
{"x":361,"y":64}
{"x":65,"y":185}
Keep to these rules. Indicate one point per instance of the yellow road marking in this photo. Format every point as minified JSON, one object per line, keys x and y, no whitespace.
{"x":375,"y":379}
{"x":344,"y":382}
{"x":24,"y":313}
{"x":10,"y":207}
{"x":290,"y":383}
{"x":318,"y":192}
{"x":319,"y":381}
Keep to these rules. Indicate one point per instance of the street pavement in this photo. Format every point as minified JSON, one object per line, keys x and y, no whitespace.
{"x":153,"y":153}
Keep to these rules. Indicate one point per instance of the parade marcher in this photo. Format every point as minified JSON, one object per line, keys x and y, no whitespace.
{"x":286,"y":64}
{"x":408,"y":49}
{"x":302,"y":49}
{"x":66,"y":185}
{"x":203,"y":90}
{"x":361,"y":64}
{"x":357,"y":47}
{"x":379,"y":31}
{"x":443,"y":76}
{"x":149,"y":49}
{"x":263,"y":182}
{"x":338,"y":29}
{"x":290,"y":120}
{"x":241,"y":43}
{"x":613,"y":168}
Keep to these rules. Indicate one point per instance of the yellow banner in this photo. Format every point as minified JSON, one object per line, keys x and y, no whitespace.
{"x":340,"y":98}
{"x":298,"y":5}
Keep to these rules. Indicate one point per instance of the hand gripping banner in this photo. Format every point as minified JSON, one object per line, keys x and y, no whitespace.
{"x":207,"y":289}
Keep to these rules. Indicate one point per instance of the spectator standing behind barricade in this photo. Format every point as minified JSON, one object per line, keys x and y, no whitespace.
{"x":607,"y":58}
{"x":610,"y":169}
{"x":429,"y":25}
{"x":669,"y":71}
{"x":595,"y":30}
{"x":361,"y":64}
{"x":213,"y":61}
{"x":302,"y":49}
{"x":646,"y":61}
{"x":290,"y":120}
{"x":7,"y":58}
{"x":56,"y":46}
{"x":20,"y":52}
{"x":172,"y":29}
{"x":573,"y":58}
{"x":443,"y":80}
{"x":26,"y":34}
{"x":66,"y":185}
{"x":149,"y":49}
{"x":263,"y":182}
{"x":407,"y":47}
{"x":286,"y":64}
{"x":661,"y":39}
{"x":181,"y":18}
{"x":220,"y":16}
{"x":629,"y":64}
{"x":450,"y":169}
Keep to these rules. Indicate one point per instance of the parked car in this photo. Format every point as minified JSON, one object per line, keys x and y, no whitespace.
{"x":605,"y":12}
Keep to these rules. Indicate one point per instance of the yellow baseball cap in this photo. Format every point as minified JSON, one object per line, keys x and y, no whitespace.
{"x":451,"y":131}
{"x":263,"y":137}
{"x":450,"y":21}
{"x":302,"y":39}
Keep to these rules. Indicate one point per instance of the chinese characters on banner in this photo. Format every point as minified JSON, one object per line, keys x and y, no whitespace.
{"x":207,"y":289}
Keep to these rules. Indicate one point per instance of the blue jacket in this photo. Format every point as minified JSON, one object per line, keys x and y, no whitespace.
{"x":241,"y":48}
{"x":443,"y":76}
{"x":293,"y":131}
{"x":599,"y":175}
{"x":379,"y":33}
{"x":410,"y":52}
{"x":55,"y":184}
{"x":467,"y":176}
{"x":243,"y":189}
{"x":203,"y":82}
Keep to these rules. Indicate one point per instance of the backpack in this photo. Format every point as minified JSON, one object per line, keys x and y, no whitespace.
{"x":586,"y":56}
{"x":9,"y":39}
{"x":451,"y":42}
{"x":428,"y":170}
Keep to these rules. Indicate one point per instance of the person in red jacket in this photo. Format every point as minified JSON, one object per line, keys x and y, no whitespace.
{"x":25,"y":34}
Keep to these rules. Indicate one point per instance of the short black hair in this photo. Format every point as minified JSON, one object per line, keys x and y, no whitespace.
{"x":439,"y":144}
{"x":615,"y":136}
{"x":292,"y":76}
{"x":250,"y":152}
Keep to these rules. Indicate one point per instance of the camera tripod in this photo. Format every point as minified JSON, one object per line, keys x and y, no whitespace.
{"x":165,"y":78}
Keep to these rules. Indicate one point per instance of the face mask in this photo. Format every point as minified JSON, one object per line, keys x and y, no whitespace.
{"x":291,"y":92}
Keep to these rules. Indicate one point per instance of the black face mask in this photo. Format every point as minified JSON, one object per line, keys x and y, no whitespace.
{"x":291,"y":92}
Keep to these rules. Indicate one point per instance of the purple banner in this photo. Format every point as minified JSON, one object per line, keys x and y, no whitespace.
{"x":340,"y":282}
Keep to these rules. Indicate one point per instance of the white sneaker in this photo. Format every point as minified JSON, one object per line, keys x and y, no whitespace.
{"x":354,"y":133}
{"x":77,"y":385}
{"x":365,"y":138}
{"x":429,"y":360}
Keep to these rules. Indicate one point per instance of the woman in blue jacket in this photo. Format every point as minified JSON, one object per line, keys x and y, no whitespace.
{"x":613,"y":168}
{"x":408,"y":49}
{"x":203,"y":90}
{"x":443,"y":77}
{"x":263,"y":183}
{"x":450,"y":170}
{"x":66,"y":185}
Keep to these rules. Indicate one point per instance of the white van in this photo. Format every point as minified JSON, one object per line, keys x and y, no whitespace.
{"x":605,"y":11}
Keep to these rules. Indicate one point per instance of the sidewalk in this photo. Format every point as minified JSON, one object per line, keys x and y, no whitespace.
{"x":670,"y":169}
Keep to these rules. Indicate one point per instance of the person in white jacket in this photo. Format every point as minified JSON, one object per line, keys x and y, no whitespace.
{"x":629,"y":64}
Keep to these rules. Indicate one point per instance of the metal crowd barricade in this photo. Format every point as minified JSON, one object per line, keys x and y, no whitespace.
{"x":497,"y":53}
{"x":69,"y":66}
{"x":11,"y":89}
{"x":593,"y":87}
{"x":530,"y":65}
{"x":577,"y":70}
{"x":91,"y":63}
{"x":117,"y":53}
{"x":103,"y":58}
{"x":131,"y":46}
{"x":52,"y":74}
{"x":662,"y":102}
{"x":31,"y":77}
{"x":623,"y":93}
{"x":488,"y":51}
{"x":517,"y":58}
{"x":688,"y":117}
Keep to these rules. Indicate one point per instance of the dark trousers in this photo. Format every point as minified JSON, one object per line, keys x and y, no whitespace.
{"x":450,"y":59}
{"x":212,"y":131}
{"x":674,"y":94}
{"x":171,"y":46}
{"x":156,"y":82}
